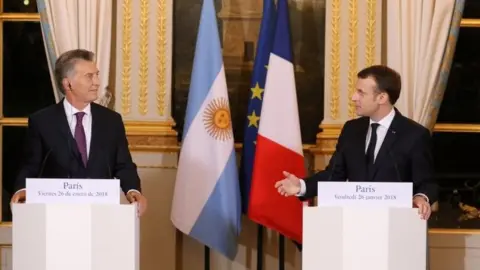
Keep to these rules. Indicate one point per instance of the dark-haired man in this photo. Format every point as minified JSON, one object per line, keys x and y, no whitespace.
{"x":380,"y":146}
{"x":78,"y":138}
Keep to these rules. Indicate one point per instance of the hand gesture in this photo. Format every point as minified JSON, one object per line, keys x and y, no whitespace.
{"x":289,"y":186}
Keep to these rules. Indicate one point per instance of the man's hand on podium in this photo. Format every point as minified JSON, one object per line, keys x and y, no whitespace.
{"x":135,"y":196}
{"x":19,"y":196}
{"x":289,"y":186}
{"x":424,"y":209}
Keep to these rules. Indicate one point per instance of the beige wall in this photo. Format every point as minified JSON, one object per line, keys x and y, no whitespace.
{"x":158,"y":236}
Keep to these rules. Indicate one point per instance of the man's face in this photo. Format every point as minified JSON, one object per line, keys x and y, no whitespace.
{"x":367,"y":98}
{"x":84,"y":82}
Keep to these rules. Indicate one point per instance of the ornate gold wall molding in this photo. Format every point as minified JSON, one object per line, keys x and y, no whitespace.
{"x":352,"y":42}
{"x":470,"y":23}
{"x":161,"y":55}
{"x":159,"y":137}
{"x":370,"y":32}
{"x":142,"y":135}
{"x":143,"y":55}
{"x":334,"y":86}
{"x":327,"y":139}
{"x":352,"y":53}
{"x":126,"y":28}
{"x":144,"y":66}
{"x":152,"y":136}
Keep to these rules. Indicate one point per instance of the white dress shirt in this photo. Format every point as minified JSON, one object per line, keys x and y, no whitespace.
{"x":384,"y":125}
{"x":70,"y":112}
{"x":382,"y":129}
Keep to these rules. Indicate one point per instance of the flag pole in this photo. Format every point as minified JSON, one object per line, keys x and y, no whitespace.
{"x":281,"y":252}
{"x":206,"y":259}
{"x":260,"y":247}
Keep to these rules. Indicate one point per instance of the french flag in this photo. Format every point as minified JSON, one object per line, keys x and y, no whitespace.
{"x":279,"y":143}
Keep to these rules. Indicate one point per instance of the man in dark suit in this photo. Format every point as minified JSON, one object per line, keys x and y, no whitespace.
{"x":78,"y":138}
{"x":380,"y":146}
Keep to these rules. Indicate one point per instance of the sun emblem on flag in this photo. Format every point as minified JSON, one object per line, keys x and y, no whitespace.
{"x":217,"y":119}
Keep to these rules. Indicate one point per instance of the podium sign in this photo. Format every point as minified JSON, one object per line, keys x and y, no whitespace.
{"x":382,"y":194}
{"x":91,"y":191}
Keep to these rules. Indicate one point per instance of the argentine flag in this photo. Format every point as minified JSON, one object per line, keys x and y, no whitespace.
{"x":206,"y":200}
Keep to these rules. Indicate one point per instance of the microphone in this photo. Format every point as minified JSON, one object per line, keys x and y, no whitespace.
{"x":69,"y":137}
{"x":44,"y":161}
{"x":69,"y":156}
{"x":108,"y":167}
{"x":390,"y":153}
{"x":397,"y":172}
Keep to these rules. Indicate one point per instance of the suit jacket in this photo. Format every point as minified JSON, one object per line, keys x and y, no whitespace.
{"x":404,"y":156}
{"x":51,"y":150}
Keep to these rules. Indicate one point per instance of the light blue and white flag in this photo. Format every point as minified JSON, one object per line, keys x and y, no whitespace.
{"x":206,"y":202}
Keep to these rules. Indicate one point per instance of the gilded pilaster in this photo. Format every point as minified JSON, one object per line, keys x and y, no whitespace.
{"x":353,"y":38}
{"x":333,"y":29}
{"x":143,"y":58}
{"x":161,"y":52}
{"x":126,"y":63}
{"x":143,"y":71}
{"x":352,"y":52}
{"x":143,"y":68}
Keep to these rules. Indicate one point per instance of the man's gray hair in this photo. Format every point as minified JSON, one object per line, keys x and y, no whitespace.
{"x":65,"y":64}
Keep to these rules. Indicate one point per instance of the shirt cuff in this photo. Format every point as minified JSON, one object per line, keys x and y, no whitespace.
{"x":422,"y":195}
{"x":303,"y":188}
{"x":19,"y":190}
{"x":133,"y":190}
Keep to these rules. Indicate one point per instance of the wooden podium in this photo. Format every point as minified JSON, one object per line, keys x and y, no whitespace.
{"x":75,"y":236}
{"x":360,"y":236}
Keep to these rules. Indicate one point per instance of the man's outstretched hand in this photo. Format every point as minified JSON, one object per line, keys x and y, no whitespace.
{"x":289,"y":186}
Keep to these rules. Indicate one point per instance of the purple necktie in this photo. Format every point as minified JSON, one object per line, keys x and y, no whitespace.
{"x":80,"y":137}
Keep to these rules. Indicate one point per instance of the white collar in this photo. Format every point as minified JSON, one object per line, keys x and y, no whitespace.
{"x":385,"y":121}
{"x":70,"y":110}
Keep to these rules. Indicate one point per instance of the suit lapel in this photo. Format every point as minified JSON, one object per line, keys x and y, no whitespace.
{"x":95,"y":141}
{"x":360,"y":146}
{"x":386,"y":147}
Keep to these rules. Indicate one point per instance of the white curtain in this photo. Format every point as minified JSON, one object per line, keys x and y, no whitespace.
{"x":421,"y":39}
{"x":78,"y":24}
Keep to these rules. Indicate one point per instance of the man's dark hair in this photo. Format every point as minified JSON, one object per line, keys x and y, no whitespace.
{"x":65,"y":64}
{"x":388,"y":80}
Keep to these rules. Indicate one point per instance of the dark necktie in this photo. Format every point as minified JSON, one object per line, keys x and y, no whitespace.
{"x":371,"y":146}
{"x":80,"y":137}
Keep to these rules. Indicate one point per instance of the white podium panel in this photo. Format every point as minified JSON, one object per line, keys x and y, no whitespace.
{"x":75,"y":237}
{"x":360,"y":238}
